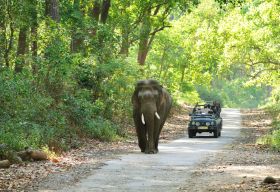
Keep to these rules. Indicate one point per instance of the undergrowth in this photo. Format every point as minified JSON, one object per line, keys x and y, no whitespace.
{"x":272,"y":139}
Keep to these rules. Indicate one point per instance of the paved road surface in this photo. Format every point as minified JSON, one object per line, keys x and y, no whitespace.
{"x":165,"y":171}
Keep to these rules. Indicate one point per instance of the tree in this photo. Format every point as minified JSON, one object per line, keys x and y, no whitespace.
{"x":158,"y":11}
{"x":253,"y":33}
{"x":77,"y":35}
{"x":34,"y":35}
{"x":7,"y":27}
{"x":22,"y":46}
{"x":52,"y":9}
{"x":140,"y":21}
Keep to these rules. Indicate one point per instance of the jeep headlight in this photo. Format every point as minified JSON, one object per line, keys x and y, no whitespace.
{"x":197,"y":123}
{"x":193,"y":123}
{"x":207,"y":123}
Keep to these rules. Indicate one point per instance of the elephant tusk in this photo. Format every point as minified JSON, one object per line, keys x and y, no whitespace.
{"x":143,"y":119}
{"x":157,"y":115}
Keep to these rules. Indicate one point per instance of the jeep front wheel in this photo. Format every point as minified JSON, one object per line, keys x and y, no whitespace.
{"x":191,"y":133}
{"x":216,"y":133}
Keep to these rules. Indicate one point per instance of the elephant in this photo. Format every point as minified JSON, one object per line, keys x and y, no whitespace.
{"x":151,"y":106}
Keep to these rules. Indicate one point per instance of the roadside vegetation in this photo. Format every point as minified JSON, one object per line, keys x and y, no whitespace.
{"x":68,"y":68}
{"x":272,"y":139}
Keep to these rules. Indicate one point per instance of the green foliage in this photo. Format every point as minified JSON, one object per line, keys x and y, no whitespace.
{"x":101,"y":129}
{"x":36,"y":119}
{"x":234,"y":94}
{"x":232,"y":51}
{"x":85,"y":117}
{"x":27,"y":116}
{"x":272,"y":140}
{"x":110,"y":84}
{"x":79,"y":71}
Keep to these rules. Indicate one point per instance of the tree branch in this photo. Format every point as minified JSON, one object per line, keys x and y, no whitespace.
{"x":268,"y":61}
{"x":261,"y":71}
{"x":159,"y":29}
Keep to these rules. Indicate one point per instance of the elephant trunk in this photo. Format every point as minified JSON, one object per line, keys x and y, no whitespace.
{"x":149,"y":119}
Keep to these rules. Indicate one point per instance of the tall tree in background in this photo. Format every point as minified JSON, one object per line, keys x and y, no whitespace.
{"x":7,"y":30}
{"x":105,"y":10}
{"x":34,"y":36}
{"x":21,"y":50}
{"x":77,"y":34}
{"x":153,"y":18}
{"x":23,"y":17}
{"x":100,"y":10}
{"x":100,"y":32}
{"x":52,"y":9}
{"x":140,"y":21}
{"x":144,"y":37}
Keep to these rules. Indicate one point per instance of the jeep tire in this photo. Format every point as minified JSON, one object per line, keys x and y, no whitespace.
{"x":191,"y":133}
{"x":216,"y":133}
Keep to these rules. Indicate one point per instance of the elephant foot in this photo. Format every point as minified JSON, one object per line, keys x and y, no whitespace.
{"x":151,"y":151}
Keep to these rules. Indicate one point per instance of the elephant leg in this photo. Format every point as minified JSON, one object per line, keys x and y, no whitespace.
{"x":160,"y":126}
{"x":141,"y":131}
{"x":150,"y":147}
{"x":156,"y":135}
{"x":142,"y":138}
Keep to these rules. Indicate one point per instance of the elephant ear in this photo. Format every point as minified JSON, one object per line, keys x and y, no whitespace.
{"x":134,"y":99}
{"x":159,"y":90}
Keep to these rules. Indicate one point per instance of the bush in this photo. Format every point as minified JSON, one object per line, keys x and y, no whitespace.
{"x":101,"y":129}
{"x":272,"y":140}
{"x":27,"y":115}
{"x":111,"y":85}
{"x":62,"y":104}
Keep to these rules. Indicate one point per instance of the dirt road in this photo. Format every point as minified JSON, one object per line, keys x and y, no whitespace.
{"x":165,"y":171}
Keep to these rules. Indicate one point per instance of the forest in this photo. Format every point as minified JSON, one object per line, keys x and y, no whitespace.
{"x":68,"y":67}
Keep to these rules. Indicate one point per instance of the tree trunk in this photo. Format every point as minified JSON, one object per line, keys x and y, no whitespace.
{"x":125,"y":42}
{"x":105,"y":10}
{"x":182,"y":76}
{"x":96,"y":10}
{"x":52,"y":9}
{"x":143,"y":51}
{"x":162,"y":59}
{"x":34,"y":45}
{"x":77,"y":38}
{"x":9,"y":47}
{"x":34,"y":38}
{"x":144,"y":39}
{"x":2,"y":39}
{"x":21,"y":49}
{"x":76,"y":43}
{"x":8,"y":40}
